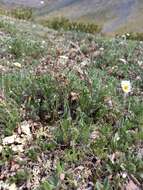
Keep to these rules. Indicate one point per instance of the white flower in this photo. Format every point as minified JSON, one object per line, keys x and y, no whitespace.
{"x":124,"y":175}
{"x":126,"y":86}
{"x":138,"y":78}
{"x":116,"y":137}
{"x":127,"y":34}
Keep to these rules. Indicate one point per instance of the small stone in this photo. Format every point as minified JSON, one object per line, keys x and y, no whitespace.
{"x":17,"y":148}
{"x":63,"y":59}
{"x":25,"y":128}
{"x":1,"y":149}
{"x":9,"y":140}
{"x":62,"y":176}
{"x":12,"y":187}
{"x":94,"y":135}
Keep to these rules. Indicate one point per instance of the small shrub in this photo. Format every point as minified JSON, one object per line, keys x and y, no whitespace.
{"x":22,"y":13}
{"x":135,"y":36}
{"x":3,"y":11}
{"x":64,"y":23}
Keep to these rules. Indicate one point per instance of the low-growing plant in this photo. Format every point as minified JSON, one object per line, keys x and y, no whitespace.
{"x":6,"y":155}
{"x":7,"y":27}
{"x":20,"y":177}
{"x":46,"y":185}
{"x":32,"y":154}
{"x":20,"y":47}
{"x":9,"y":116}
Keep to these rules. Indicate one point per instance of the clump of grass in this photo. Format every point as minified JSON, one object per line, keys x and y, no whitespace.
{"x":20,"y":47}
{"x":7,"y":27}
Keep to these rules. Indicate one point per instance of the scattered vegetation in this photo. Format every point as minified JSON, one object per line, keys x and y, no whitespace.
{"x":19,"y":13}
{"x":3,"y":11}
{"x":66,"y":121}
{"x":59,"y":23}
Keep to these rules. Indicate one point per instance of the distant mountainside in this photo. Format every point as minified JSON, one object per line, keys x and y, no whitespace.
{"x":113,"y":15}
{"x":29,"y":3}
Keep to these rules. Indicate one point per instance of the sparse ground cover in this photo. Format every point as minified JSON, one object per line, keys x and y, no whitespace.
{"x":65,"y":121}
